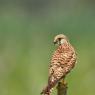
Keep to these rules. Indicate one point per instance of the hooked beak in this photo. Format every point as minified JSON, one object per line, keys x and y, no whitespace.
{"x":55,"y":42}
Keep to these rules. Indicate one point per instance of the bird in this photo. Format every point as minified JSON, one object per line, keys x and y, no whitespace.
{"x":62,"y":62}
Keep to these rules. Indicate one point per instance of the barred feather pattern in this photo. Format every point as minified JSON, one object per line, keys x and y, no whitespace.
{"x":62,"y":62}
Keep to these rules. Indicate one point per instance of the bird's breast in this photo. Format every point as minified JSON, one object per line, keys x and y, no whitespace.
{"x":63,"y":55}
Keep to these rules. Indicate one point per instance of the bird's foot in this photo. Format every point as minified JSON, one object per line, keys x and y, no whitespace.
{"x":63,"y":82}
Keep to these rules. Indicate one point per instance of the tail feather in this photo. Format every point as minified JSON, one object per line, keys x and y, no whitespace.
{"x":48,"y":88}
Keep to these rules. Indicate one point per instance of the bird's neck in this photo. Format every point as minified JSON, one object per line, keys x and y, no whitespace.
{"x":64,"y":47}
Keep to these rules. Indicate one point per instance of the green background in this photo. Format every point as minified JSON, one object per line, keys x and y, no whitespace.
{"x":27,"y":29}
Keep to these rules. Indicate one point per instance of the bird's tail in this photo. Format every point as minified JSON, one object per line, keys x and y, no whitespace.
{"x":48,"y":88}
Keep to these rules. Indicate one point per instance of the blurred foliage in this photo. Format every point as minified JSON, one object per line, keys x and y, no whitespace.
{"x":27,"y":28}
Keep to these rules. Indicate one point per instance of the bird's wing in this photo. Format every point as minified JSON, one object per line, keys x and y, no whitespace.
{"x":61,"y":66}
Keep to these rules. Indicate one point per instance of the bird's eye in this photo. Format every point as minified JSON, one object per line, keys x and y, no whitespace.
{"x":59,"y":39}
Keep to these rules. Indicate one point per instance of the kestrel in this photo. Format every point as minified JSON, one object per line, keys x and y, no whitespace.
{"x":62,"y":62}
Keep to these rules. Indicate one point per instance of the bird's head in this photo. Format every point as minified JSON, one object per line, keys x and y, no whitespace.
{"x":60,"y":39}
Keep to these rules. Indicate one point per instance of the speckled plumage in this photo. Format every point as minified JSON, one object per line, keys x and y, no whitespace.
{"x":62,"y":62}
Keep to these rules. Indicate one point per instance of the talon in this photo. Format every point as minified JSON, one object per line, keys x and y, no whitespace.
{"x":63,"y":82}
